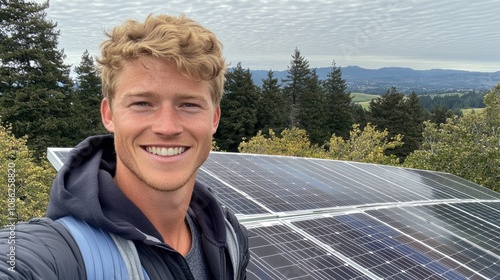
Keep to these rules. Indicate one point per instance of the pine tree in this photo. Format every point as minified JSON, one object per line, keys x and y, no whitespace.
{"x":415,"y":123}
{"x":339,"y":110}
{"x":239,"y":111}
{"x":389,"y":112}
{"x":295,"y":85}
{"x":311,"y":115}
{"x":87,"y":98}
{"x":439,"y":114}
{"x":359,"y":115}
{"x":399,"y":115}
{"x":271,"y":109}
{"x":34,"y":81}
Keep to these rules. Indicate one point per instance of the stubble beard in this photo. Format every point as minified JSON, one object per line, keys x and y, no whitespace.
{"x":161,"y":188}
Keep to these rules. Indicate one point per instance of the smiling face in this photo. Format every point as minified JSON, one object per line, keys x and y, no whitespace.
{"x":163,"y":124}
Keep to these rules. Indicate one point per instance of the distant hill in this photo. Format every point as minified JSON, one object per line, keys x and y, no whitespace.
{"x":378,"y":81}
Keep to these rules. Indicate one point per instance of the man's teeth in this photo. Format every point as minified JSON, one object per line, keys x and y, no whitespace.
{"x":162,"y":151}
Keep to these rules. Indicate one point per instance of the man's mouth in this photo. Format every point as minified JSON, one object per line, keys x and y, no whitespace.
{"x":165,"y":152}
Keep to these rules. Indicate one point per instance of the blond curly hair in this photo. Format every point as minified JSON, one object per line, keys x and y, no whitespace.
{"x":195,"y":50}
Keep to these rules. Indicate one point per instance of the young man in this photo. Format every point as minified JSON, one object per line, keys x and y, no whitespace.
{"x":162,"y":84}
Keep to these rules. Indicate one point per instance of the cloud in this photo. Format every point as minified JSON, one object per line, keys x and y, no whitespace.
{"x":263,"y":34}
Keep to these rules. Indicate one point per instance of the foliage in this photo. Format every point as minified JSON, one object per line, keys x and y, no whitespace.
{"x":30,"y":192}
{"x":367,"y":145}
{"x":293,"y":142}
{"x":34,"y":81}
{"x":215,"y":148}
{"x":468,"y":147}
{"x":363,"y":146}
{"x":239,"y":109}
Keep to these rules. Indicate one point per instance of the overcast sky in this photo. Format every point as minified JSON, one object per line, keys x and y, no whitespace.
{"x":262,"y":34}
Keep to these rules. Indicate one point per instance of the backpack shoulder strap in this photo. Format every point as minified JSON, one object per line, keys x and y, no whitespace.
{"x":105,"y":256}
{"x":130,"y":257}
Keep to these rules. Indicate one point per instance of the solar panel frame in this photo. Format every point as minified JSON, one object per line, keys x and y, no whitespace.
{"x":57,"y":156}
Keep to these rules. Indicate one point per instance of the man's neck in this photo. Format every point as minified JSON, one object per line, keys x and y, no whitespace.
{"x":165,"y":210}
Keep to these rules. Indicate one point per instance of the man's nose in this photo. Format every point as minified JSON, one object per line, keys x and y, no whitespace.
{"x":166,"y":121}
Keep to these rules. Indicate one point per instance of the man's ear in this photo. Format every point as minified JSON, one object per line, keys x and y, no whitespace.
{"x":107,"y":115}
{"x":216,"y":120}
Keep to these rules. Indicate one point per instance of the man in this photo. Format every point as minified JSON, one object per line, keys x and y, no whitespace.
{"x":162,"y":84}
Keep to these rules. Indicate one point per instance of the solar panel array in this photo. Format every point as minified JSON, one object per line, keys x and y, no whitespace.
{"x":326,"y":219}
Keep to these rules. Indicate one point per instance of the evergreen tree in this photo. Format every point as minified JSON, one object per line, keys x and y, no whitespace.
{"x":295,"y":85}
{"x":390,"y":112}
{"x":311,"y":114}
{"x":414,"y":124}
{"x":271,"y":110}
{"x":339,"y":110}
{"x":239,"y":109}
{"x":359,"y":115}
{"x":440,"y":114}
{"x":34,"y":81}
{"x":87,"y":99}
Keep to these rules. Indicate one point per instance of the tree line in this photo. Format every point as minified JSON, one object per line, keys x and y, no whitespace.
{"x":321,"y":107}
{"x":455,"y":102}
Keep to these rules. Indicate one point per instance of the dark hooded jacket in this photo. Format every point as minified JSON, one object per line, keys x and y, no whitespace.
{"x":84,"y":188}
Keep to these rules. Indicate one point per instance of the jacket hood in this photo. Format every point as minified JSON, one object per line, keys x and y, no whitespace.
{"x":84,"y":188}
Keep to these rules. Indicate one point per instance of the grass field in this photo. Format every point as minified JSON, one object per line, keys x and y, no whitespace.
{"x":363,"y":99}
{"x":468,"y":111}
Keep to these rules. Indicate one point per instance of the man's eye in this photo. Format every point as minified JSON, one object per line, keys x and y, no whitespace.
{"x":141,"y":104}
{"x":190,"y":105}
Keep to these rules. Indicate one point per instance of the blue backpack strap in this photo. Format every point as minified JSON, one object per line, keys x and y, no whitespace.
{"x":100,"y":254}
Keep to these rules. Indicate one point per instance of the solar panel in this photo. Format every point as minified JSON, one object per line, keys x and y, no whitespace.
{"x":280,"y":252}
{"x":327,"y":219}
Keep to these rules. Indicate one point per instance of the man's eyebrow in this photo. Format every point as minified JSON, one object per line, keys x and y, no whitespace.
{"x":138,"y":94}
{"x":187,"y":95}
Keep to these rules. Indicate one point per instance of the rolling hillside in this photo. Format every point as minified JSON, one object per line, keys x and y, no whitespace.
{"x":377,"y":81}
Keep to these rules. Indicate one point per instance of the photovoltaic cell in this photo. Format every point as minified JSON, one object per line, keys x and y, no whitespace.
{"x":430,"y":226}
{"x":379,"y":248}
{"x":233,"y":200}
{"x":456,"y":184}
{"x":273,"y":183}
{"x":280,"y":253}
{"x":292,"y":184}
{"x":409,"y":179}
{"x":465,"y":225}
{"x":487,"y":212}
